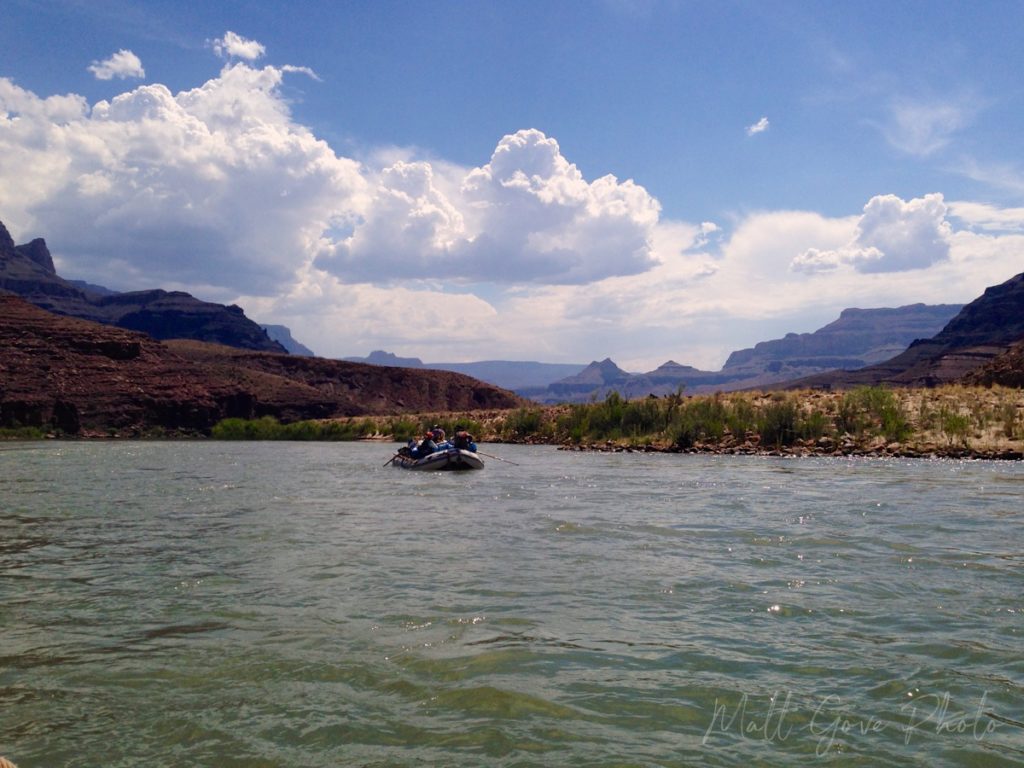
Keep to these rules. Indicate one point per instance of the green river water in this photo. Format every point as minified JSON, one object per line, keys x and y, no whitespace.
{"x":298,"y":604}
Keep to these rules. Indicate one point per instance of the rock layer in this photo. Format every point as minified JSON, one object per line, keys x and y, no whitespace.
{"x":981,"y":332}
{"x":82,"y":378}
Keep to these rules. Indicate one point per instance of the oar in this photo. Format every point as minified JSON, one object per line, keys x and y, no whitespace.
{"x":391,"y":460}
{"x":489,"y":456}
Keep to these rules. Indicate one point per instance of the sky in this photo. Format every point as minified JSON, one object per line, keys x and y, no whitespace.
{"x":556,"y":181}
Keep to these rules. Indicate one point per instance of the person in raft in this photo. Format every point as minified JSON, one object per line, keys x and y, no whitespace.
{"x":464,"y":441}
{"x":435,"y":440}
{"x":418,"y":450}
{"x":426,"y":447}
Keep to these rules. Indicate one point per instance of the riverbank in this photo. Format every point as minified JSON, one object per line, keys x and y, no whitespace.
{"x":952,"y":421}
{"x":949,"y":422}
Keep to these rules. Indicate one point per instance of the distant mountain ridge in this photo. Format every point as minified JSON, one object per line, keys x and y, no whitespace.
{"x":28,"y":271}
{"x":857,"y":338}
{"x":388,"y":359}
{"x":282,"y":335}
{"x":986,"y":331}
{"x":515,"y":375}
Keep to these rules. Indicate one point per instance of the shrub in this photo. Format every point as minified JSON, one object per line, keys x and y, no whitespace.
{"x":22,"y":433}
{"x":404,"y":429}
{"x":777,"y":423}
{"x":643,"y":417}
{"x":606,"y":418}
{"x":849,"y":418}
{"x":741,"y":417}
{"x":873,"y":407}
{"x":895,"y":425}
{"x":269,"y":428}
{"x":522,"y":423}
{"x":812,"y":426}
{"x":683,"y":431}
{"x":246,"y":429}
{"x":1010,"y":420}
{"x":575,"y":424}
{"x":955,"y":425}
{"x":698,"y":419}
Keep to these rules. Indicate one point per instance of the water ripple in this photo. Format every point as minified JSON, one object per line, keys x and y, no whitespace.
{"x":298,"y":605}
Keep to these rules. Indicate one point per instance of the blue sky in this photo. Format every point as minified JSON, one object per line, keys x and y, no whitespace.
{"x":558,"y":181}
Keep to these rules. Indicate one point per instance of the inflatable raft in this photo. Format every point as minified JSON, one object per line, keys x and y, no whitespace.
{"x":447,"y":459}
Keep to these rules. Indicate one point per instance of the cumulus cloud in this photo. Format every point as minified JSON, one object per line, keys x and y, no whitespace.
{"x":526,"y":216}
{"x":123,"y":64}
{"x":760,"y":126}
{"x":233,"y":45}
{"x":892,"y":235}
{"x":216,"y":186}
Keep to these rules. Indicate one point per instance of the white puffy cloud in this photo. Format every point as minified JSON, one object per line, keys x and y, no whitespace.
{"x":528,"y":215}
{"x":892,"y":235}
{"x":123,"y":64}
{"x":760,"y":126}
{"x":215,"y":186}
{"x":233,"y":45}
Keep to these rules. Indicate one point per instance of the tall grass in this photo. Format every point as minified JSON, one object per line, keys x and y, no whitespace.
{"x":739,"y":420}
{"x":269,"y":428}
{"x":875,"y":410}
{"x":22,"y":433}
{"x":771,"y":421}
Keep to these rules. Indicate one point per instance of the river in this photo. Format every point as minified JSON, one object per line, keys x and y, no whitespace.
{"x":299,"y":604}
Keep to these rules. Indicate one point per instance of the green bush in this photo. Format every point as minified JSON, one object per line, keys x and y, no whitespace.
{"x":22,"y":433}
{"x":699,"y":419}
{"x":522,"y":423}
{"x":683,"y":431}
{"x":876,"y":409}
{"x":955,"y":426}
{"x":895,"y":425}
{"x":246,"y":429}
{"x":574,"y":425}
{"x":777,"y":423}
{"x":812,"y":426}
{"x":741,"y":417}
{"x":849,"y":419}
{"x":404,"y":429}
{"x":606,"y":417}
{"x":643,"y":417}
{"x":269,"y":428}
